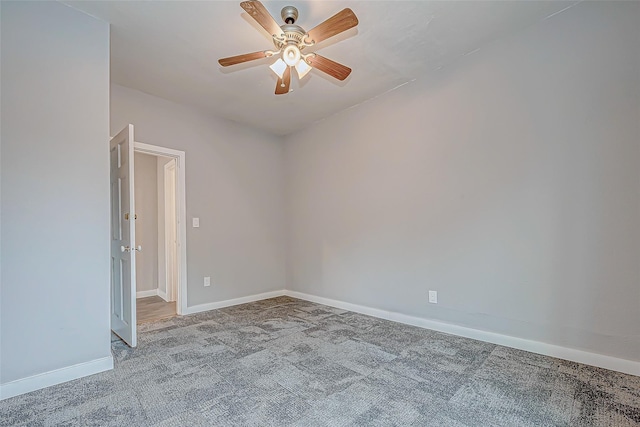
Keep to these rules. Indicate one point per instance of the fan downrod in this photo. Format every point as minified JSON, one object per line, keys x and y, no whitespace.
{"x":289,"y":14}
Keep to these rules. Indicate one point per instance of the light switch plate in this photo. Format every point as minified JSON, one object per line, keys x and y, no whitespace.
{"x":207,"y":281}
{"x":196,"y":222}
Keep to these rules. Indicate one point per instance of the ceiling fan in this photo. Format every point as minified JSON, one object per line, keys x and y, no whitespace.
{"x":291,"y":40}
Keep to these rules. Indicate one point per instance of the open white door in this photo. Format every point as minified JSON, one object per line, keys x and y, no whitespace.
{"x":123,"y":232}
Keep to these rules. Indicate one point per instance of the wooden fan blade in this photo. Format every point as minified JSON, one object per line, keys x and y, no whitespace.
{"x":257,"y":11}
{"x":282,"y":87}
{"x":330,"y":67}
{"x":239,"y":59}
{"x":338,"y":23}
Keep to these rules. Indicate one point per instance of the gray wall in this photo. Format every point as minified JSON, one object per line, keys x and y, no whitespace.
{"x":234,"y":179}
{"x":54,"y":305}
{"x":508,"y":182}
{"x":146,"y":192}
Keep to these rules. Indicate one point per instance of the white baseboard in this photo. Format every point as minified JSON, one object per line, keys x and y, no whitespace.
{"x":152,"y":293}
{"x":149,"y":293}
{"x":574,"y":355}
{"x":227,"y":303}
{"x":162,"y":294}
{"x":47,"y":379}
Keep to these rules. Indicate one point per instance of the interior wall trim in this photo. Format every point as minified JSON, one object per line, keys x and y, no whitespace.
{"x":57,"y":376}
{"x":47,"y":379}
{"x":235,"y":301}
{"x":162,"y":294}
{"x":149,"y":293}
{"x":588,"y":358}
{"x":181,"y":202}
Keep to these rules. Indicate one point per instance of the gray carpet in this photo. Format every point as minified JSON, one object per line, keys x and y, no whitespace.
{"x":287,"y":362}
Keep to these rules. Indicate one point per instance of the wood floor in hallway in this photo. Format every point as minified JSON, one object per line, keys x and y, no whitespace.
{"x":154,"y":308}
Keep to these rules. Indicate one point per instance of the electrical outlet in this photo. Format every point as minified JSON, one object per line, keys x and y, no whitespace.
{"x":207,"y":281}
{"x":433,"y":297}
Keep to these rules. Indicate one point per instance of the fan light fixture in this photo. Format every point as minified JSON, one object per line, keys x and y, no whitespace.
{"x":290,"y":40}
{"x":301,"y":67}
{"x":278,"y":67}
{"x":291,"y":55}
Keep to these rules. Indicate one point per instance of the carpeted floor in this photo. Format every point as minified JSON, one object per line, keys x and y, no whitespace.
{"x":287,"y":362}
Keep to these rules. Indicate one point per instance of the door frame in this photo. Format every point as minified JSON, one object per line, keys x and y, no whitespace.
{"x":169,"y":183}
{"x":179,"y":156}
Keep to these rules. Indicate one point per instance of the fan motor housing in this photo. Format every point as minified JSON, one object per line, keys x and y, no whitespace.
{"x":293,"y":34}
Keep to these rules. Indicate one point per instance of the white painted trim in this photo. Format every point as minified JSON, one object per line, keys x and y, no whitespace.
{"x":235,"y":301}
{"x":574,"y":355}
{"x":170,"y":219}
{"x":149,"y":293}
{"x":57,"y":376}
{"x":162,"y":294}
{"x":181,"y":200}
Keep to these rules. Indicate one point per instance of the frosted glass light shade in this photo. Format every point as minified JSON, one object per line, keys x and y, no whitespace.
{"x":278,"y":67}
{"x":302,"y":68}
{"x":291,"y":55}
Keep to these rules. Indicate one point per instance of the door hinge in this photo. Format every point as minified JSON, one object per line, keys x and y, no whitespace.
{"x":126,"y":216}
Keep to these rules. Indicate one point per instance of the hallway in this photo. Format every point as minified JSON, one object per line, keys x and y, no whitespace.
{"x":154,"y":308}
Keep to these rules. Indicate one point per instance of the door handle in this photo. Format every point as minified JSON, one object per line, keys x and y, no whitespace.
{"x":128,"y":249}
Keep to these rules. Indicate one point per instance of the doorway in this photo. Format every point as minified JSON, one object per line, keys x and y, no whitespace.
{"x":156,"y":233}
{"x":160,"y":270}
{"x":123,"y":246}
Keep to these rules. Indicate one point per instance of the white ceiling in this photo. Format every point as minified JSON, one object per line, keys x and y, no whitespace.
{"x":170,"y":49}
